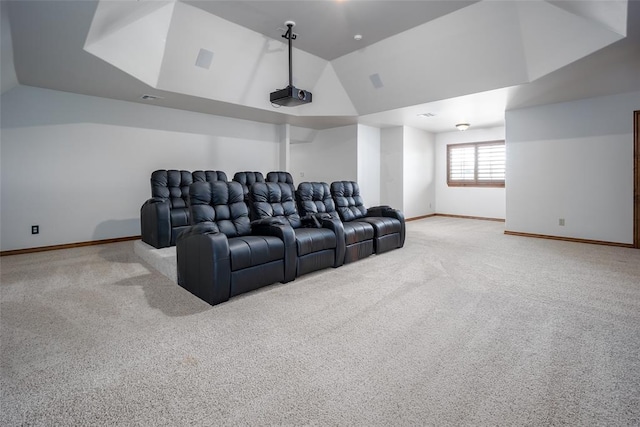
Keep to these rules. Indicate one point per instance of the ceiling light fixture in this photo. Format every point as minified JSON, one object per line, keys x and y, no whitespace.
{"x":357,"y":37}
{"x":463,"y":126}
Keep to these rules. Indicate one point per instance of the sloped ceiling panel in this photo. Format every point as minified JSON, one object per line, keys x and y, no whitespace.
{"x":246,"y":65}
{"x":328,"y":26}
{"x":329,"y":97}
{"x":8,"y":78}
{"x":611,"y":14}
{"x":471,"y":50}
{"x":553,"y":37}
{"x":159,"y":42}
{"x":485,"y":46}
{"x":131,"y":36}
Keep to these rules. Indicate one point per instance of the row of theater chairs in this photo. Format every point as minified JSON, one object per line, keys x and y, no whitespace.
{"x":248,"y":233}
{"x":166,"y":213}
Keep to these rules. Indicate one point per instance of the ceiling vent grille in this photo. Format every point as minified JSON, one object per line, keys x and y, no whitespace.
{"x":150,"y":97}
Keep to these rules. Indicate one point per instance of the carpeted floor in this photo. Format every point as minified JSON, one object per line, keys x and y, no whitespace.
{"x":463,"y":326}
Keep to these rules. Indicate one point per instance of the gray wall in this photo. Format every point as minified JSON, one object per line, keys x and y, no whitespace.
{"x":572,"y":160}
{"x":79,"y":166}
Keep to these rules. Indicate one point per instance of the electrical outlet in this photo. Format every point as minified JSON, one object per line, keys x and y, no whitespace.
{"x":35,"y":229}
{"x":561,"y":222}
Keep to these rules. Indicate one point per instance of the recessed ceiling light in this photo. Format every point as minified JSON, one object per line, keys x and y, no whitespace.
{"x":426,"y":115}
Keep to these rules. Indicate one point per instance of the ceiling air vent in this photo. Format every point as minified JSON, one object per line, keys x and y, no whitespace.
{"x":150,"y":97}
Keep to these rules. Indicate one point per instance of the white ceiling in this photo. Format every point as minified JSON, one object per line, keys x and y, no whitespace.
{"x":454,"y":59}
{"x":327,"y":28}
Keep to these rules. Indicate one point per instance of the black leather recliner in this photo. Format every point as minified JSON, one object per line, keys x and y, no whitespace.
{"x":314,"y":198}
{"x":247,"y":179}
{"x":165,"y":214}
{"x":223,"y":254}
{"x":388,"y":223}
{"x":280,"y":176}
{"x":316,"y":247}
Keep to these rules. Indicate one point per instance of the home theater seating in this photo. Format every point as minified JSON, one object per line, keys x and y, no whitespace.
{"x":222,"y":255}
{"x":316,"y":247}
{"x":166,"y":213}
{"x":315,"y":198}
{"x":247,"y":179}
{"x":232,"y":237}
{"x":388,"y":224}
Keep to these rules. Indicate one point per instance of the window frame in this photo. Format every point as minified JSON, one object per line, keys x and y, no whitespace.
{"x":476,"y":182}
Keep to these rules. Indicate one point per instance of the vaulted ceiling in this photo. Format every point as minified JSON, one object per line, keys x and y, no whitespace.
{"x":458,"y":60}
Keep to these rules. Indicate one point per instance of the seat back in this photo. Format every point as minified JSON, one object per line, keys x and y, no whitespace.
{"x":247,"y":179}
{"x":221,"y":203}
{"x":208,"y":176}
{"x":172,"y":185}
{"x":315,"y":197}
{"x":280,"y":176}
{"x":349,"y":203}
{"x":274,"y":200}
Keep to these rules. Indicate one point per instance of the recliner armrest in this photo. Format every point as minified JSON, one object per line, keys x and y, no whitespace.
{"x":377,"y":210}
{"x":284,"y":232}
{"x":336,"y":226}
{"x":155,"y":222}
{"x":314,"y":220}
{"x":204,"y":263}
{"x":386,"y":211}
{"x":266,"y":221}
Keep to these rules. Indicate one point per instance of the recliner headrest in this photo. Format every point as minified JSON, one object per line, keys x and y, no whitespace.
{"x":349,"y":203}
{"x":274,"y":199}
{"x":209,"y":176}
{"x":172,"y":185}
{"x":280,"y":176}
{"x":248,"y":178}
{"x":315,"y":197}
{"x":222,"y":203}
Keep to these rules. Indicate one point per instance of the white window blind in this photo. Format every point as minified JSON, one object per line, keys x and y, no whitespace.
{"x":476,"y":164}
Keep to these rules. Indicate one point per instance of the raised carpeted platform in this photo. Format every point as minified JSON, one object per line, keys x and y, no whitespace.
{"x":163,"y":260}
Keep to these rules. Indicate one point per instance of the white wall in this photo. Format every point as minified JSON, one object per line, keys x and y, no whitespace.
{"x":79,"y":166}
{"x":391,"y":167}
{"x":348,"y":153}
{"x":574,"y":161}
{"x":407,"y":170}
{"x":369,"y":164}
{"x":419,"y":192}
{"x":331,"y":155}
{"x":467,"y":201}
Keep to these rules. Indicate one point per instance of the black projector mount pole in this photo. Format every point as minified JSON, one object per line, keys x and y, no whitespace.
{"x":289,"y":35}
{"x":290,"y":96}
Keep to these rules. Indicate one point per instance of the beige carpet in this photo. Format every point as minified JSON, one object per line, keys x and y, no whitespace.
{"x":463,"y":326}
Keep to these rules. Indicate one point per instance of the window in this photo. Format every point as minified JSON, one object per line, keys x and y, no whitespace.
{"x":478,"y":164}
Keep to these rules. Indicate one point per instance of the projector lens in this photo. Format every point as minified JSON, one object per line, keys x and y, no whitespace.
{"x":301,"y":95}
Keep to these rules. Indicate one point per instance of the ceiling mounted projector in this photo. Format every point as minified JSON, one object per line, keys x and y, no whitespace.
{"x":290,"y":96}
